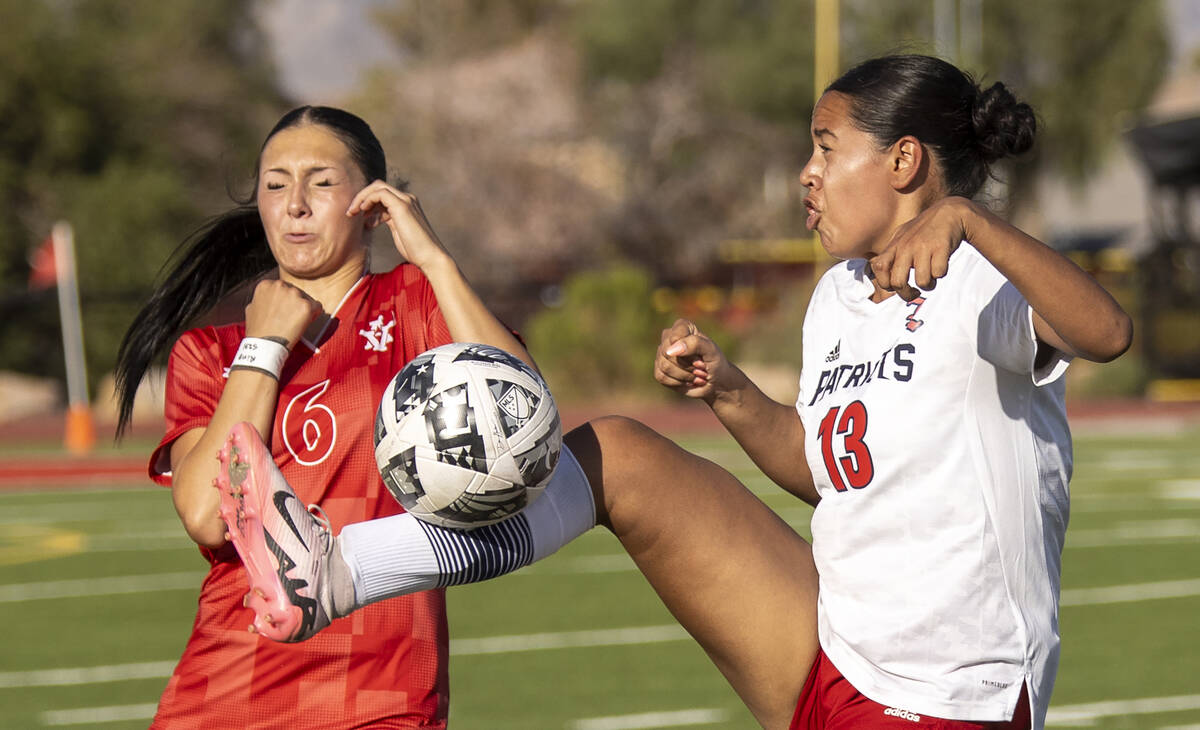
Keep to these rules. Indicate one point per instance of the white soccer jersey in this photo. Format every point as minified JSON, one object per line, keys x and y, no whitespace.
{"x":942,"y":460}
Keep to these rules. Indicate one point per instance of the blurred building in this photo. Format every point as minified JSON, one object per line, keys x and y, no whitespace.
{"x":1112,"y":208}
{"x":1167,"y":143}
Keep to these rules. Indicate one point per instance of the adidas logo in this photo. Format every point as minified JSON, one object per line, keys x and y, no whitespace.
{"x":902,"y":714}
{"x":835,"y":353}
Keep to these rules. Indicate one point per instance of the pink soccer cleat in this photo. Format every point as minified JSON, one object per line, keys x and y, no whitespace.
{"x":284,"y":546}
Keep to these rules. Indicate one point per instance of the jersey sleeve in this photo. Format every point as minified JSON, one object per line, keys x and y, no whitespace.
{"x":437,"y":332}
{"x":1005,"y":335}
{"x":194,"y":383}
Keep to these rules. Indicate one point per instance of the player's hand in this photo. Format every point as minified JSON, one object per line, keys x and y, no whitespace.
{"x":923,"y":246}
{"x":689,"y":362}
{"x":280,"y":310}
{"x":401,"y":212}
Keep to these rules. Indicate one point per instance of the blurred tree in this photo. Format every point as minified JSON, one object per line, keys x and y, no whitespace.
{"x":602,"y":336}
{"x":483,"y":121}
{"x":708,"y":103}
{"x":123,"y":119}
{"x":643,"y":126}
{"x":1087,"y":68}
{"x":456,"y":28}
{"x":752,"y":56}
{"x":1087,"y":90}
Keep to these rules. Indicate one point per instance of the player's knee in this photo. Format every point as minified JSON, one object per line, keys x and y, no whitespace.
{"x":619,"y":443}
{"x":601,"y":444}
{"x":621,"y":431}
{"x":619,"y":456}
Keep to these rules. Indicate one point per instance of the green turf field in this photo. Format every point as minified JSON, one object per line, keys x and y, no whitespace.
{"x":98,"y":589}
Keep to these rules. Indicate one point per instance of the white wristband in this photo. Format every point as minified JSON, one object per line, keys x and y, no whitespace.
{"x":265,"y":356}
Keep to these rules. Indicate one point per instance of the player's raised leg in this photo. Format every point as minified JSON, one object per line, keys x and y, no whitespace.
{"x":301,"y":576}
{"x":733,"y":573}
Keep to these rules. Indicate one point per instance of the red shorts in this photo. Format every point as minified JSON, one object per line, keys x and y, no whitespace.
{"x":829,"y":702}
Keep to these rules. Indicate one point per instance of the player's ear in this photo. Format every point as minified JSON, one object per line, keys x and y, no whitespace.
{"x":907,"y":162}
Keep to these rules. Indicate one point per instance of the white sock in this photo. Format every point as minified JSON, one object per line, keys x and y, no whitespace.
{"x":392,"y":556}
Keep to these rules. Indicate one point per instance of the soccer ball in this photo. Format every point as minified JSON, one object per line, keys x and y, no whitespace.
{"x":466,"y":435}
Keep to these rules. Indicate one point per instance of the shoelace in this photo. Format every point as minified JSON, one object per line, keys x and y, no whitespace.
{"x":321,"y":518}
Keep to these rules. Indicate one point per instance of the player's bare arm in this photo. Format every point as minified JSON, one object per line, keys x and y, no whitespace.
{"x":691,"y":363}
{"x":466,"y":315}
{"x":277,"y":311}
{"x":1072,"y":312}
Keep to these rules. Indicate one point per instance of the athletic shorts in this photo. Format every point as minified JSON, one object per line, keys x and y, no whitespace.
{"x":829,"y":702}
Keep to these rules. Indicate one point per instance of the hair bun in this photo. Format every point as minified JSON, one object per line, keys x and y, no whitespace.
{"x":1003,"y":125}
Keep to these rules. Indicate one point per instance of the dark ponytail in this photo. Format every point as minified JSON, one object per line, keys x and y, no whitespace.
{"x":226,"y":252}
{"x":966,"y":128}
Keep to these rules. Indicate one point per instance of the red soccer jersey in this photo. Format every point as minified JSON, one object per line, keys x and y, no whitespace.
{"x":386,"y":664}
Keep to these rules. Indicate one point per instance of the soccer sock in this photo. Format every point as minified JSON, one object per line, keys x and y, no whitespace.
{"x":341,"y":584}
{"x":392,"y":556}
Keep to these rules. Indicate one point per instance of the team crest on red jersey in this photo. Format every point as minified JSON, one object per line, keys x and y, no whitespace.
{"x":911,"y":321}
{"x":379,"y":336}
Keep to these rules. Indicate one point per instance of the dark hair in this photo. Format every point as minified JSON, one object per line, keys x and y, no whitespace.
{"x":226,"y":252}
{"x":966,"y":127}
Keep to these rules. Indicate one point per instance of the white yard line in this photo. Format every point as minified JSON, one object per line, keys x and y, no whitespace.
{"x":87,"y":675}
{"x":157,"y":535}
{"x":88,"y":587}
{"x":677,"y":718}
{"x":1087,"y":714}
{"x":1156,"y":494}
{"x":458,"y":647}
{"x":567,"y":640}
{"x":1136,"y":532}
{"x":172,"y":538}
{"x":1106,"y":503}
{"x":1137,"y":461}
{"x":74,"y":512}
{"x":1179,"y":489}
{"x":65,"y":495}
{"x":1131,"y":593}
{"x":98,"y":715}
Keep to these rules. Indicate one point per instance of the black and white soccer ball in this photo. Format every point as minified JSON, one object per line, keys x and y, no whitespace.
{"x":466,"y":435}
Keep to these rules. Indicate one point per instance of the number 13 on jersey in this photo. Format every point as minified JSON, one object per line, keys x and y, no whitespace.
{"x":842,"y":447}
